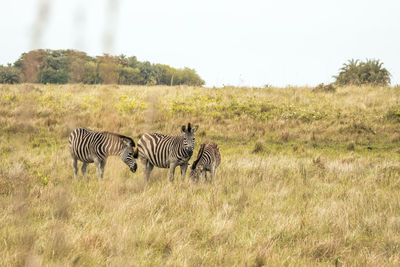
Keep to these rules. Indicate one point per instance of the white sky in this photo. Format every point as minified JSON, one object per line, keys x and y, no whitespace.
{"x":227,"y":42}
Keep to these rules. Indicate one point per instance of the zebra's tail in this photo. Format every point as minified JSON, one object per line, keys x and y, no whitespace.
{"x":201,"y":151}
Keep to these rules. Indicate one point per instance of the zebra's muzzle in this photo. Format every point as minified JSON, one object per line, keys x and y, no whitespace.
{"x":190,"y":152}
{"x":133,"y":168}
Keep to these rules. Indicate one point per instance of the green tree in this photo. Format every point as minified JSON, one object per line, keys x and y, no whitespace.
{"x":128,"y":75}
{"x":356,"y":72}
{"x":166,"y":75}
{"x":9,"y":74}
{"x":50,"y":75}
{"x":148,"y":73}
{"x":30,"y":65}
{"x":76,"y":67}
{"x":90,"y":74}
{"x":190,"y":77}
{"x":132,"y":62}
{"x":108,"y":69}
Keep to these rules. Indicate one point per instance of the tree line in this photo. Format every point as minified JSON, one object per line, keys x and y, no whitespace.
{"x":71,"y":66}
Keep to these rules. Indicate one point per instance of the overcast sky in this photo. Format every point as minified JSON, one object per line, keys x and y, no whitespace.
{"x":250,"y":42}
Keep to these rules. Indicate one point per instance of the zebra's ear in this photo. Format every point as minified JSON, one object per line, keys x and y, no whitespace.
{"x":194,"y":129}
{"x":136,"y":153}
{"x":183,"y":128}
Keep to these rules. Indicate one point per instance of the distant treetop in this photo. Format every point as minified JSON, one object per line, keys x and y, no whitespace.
{"x":356,"y":72}
{"x":71,"y":66}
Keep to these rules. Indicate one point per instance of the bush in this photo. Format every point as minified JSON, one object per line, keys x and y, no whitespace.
{"x":258,"y":147}
{"x":90,"y":74}
{"x":324,"y":88}
{"x":356,"y":72}
{"x":50,"y":75}
{"x":9,"y":74}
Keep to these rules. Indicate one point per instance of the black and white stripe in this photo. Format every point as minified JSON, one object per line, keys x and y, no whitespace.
{"x":208,"y":159}
{"x":94,"y":147}
{"x":165,"y":151}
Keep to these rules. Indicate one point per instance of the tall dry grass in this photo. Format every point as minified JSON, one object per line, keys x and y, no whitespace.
{"x":306,"y":178}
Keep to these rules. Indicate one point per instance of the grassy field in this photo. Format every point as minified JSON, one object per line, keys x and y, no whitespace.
{"x":306,"y":178}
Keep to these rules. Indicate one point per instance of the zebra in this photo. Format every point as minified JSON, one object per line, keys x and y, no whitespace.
{"x":166,"y":151}
{"x":208,"y":159}
{"x":89,"y":146}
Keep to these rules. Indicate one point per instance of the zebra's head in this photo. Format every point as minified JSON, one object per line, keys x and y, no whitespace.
{"x":129,"y":155}
{"x":188,"y":138}
{"x":195,"y":173}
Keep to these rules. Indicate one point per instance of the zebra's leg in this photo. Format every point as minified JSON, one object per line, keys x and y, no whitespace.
{"x":148,"y":167}
{"x":212,"y":174}
{"x":98,"y":168}
{"x":84,"y":166}
{"x":102,"y":165}
{"x":75,"y":164}
{"x":205,"y":175}
{"x":172,"y":167}
{"x":183,"y":171}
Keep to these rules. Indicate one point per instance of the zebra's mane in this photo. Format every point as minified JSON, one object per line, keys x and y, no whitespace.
{"x":201,"y":151}
{"x":213,"y":145}
{"x":131,"y":142}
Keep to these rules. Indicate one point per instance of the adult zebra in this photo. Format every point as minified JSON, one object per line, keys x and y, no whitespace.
{"x":208,"y":159}
{"x":166,"y":151}
{"x":89,"y":146}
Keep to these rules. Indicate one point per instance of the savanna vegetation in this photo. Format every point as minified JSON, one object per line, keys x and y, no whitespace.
{"x":356,"y":72}
{"x":71,"y":66}
{"x":308,"y":177}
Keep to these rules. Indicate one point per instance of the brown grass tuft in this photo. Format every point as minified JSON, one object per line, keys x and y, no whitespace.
{"x":284,"y":136}
{"x":258,"y":147}
{"x":351,"y":146}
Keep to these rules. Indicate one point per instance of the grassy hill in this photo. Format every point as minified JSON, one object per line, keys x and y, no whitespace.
{"x":306,"y":178}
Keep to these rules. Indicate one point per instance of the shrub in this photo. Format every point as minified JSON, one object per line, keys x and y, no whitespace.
{"x":393,"y":113}
{"x":9,"y":74}
{"x":90,"y":75}
{"x":50,"y":75}
{"x":108,"y":69}
{"x":351,"y":146}
{"x":330,"y":88}
{"x":356,"y":72}
{"x":285,"y":136}
{"x":258,"y":147}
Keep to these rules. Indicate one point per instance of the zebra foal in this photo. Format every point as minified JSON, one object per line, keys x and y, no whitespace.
{"x":94,"y":147}
{"x":166,"y":151}
{"x":208,"y":159}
